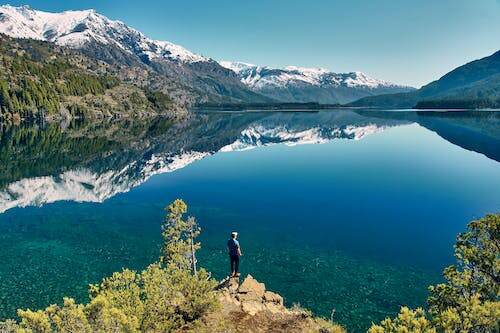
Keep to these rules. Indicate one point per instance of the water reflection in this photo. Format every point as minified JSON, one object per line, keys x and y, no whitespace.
{"x":88,"y":162}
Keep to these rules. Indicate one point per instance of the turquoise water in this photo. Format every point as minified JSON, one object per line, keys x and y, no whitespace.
{"x":350,"y":211}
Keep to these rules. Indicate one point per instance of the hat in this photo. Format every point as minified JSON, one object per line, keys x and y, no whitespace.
{"x":234,"y":233}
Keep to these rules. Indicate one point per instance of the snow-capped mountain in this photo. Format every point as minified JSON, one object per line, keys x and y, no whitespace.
{"x":299,"y":84}
{"x":260,"y":77}
{"x":199,"y":79}
{"x":170,"y":67}
{"x":77,"y":28}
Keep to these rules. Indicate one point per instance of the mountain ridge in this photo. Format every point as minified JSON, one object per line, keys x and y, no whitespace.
{"x":202,"y":80}
{"x":475,"y":84}
{"x":303,"y":85}
{"x":74,"y":28}
{"x":174,"y":68}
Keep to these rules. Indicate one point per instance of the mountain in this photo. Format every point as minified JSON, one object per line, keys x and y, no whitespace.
{"x":298,"y":84}
{"x":473,"y":85}
{"x":169,"y":67}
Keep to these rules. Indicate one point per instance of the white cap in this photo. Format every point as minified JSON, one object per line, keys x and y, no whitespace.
{"x":234,"y":233}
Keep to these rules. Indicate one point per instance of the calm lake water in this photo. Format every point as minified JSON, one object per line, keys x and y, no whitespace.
{"x":351,"y":211}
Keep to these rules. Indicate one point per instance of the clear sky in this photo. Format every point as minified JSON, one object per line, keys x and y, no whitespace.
{"x":410,"y":42}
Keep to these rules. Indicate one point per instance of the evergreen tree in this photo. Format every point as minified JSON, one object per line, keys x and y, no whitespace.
{"x":179,"y":235}
{"x":5,"y":100}
{"x":469,"y":300}
{"x":158,"y":299}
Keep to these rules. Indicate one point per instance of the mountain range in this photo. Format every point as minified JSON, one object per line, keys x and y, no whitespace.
{"x":471,"y":86}
{"x":303,"y":85}
{"x":187,"y":77}
{"x":104,"y":47}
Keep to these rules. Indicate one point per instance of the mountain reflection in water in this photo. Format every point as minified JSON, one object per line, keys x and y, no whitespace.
{"x":87,"y":162}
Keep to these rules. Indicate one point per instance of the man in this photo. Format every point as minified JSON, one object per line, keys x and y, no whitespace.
{"x":234,"y":250}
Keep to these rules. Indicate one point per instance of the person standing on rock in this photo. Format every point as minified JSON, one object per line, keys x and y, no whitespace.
{"x":234,"y":250}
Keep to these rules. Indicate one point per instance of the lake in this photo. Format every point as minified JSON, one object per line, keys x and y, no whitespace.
{"x":346,"y":211}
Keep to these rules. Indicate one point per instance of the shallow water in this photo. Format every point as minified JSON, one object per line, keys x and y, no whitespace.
{"x":351,"y":211}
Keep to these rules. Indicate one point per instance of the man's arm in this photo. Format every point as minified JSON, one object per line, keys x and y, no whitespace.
{"x":239,"y":250}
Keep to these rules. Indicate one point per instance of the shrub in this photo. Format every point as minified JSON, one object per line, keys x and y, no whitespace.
{"x":469,"y":299}
{"x":161,"y":298}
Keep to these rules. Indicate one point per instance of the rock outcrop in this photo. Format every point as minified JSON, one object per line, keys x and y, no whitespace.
{"x":250,"y":296}
{"x":249,"y":307}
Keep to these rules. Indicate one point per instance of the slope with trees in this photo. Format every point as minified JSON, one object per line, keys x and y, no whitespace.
{"x":473,"y":85}
{"x":39,"y":80}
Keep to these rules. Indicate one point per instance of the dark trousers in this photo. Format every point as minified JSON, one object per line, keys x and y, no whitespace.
{"x":235,"y":263}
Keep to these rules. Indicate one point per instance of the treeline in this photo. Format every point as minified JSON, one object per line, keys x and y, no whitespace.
{"x":459,"y":104}
{"x":267,"y":106}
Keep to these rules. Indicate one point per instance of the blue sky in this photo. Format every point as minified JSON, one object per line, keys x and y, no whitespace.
{"x":410,"y":42}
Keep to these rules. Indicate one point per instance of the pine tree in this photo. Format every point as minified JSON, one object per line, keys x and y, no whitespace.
{"x":179,"y":234}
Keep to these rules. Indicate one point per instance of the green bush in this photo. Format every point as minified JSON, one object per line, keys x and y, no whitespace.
{"x":161,"y":298}
{"x":469,"y":300}
{"x":171,"y":295}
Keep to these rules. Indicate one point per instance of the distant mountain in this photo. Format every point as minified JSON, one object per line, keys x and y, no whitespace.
{"x":173,"y":68}
{"x":473,"y":85}
{"x":303,"y":85}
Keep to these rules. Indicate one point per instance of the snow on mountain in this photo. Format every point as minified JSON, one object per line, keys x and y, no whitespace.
{"x":259,"y":77}
{"x":77,"y":28}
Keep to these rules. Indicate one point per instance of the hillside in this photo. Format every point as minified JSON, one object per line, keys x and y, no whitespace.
{"x":473,"y":85}
{"x":305,"y":85}
{"x":42,"y":80}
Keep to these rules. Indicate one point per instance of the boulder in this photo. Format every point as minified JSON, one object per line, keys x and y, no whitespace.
{"x":271,"y":297}
{"x":230,"y":303}
{"x":275,"y":308}
{"x":230,"y":283}
{"x":252,"y":307}
{"x":250,"y":296}
{"x":250,"y":285}
{"x":233,"y":285}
